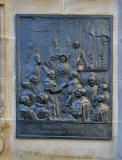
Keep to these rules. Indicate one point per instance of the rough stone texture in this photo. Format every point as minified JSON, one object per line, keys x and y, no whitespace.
{"x":4,"y":132}
{"x":22,"y":149}
{"x":88,"y":6}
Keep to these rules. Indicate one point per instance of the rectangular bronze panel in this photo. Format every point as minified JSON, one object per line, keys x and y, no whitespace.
{"x":64,"y":76}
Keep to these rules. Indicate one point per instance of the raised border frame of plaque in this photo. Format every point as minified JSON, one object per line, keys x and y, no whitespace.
{"x":64,"y":76}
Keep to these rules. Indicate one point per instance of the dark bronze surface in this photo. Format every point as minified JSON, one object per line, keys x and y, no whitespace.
{"x":64,"y":76}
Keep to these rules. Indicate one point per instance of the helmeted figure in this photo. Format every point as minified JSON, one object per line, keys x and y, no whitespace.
{"x":81,"y":108}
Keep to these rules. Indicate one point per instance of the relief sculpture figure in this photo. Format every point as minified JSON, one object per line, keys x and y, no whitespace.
{"x":52,"y":89}
{"x":63,"y":67}
{"x":40,"y":108}
{"x":73,"y":85}
{"x":101,"y":111}
{"x":35,"y":59}
{"x":103,"y":90}
{"x":32,"y":70}
{"x":26,"y":100}
{"x":81,"y":108}
{"x":91,"y":88}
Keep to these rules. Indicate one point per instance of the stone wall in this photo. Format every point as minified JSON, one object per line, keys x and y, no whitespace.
{"x":25,"y":149}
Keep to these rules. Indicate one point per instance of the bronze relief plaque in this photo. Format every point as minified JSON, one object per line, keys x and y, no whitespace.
{"x":64,"y":76}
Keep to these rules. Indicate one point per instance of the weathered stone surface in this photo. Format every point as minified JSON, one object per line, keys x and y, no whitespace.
{"x":38,"y":156}
{"x":119,"y":144}
{"x":89,"y":7}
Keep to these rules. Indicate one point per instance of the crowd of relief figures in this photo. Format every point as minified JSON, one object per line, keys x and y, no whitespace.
{"x":63,"y":87}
